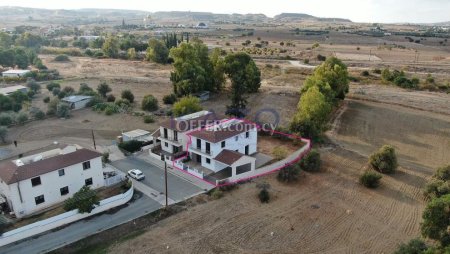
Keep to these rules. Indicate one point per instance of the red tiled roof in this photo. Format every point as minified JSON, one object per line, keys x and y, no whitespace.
{"x":11,"y":173}
{"x":228,"y":157}
{"x":221,"y":134}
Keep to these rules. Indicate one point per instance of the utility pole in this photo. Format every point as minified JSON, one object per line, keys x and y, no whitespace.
{"x":165,"y":178}
{"x":93,"y":139}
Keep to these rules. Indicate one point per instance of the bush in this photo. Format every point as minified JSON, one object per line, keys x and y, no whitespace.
{"x":94,"y":101}
{"x":61,"y":95}
{"x":385,"y":160}
{"x":39,"y":115}
{"x":311,"y":161}
{"x":105,"y":157}
{"x":3,"y":133}
{"x":370,"y":179}
{"x":131,"y":146}
{"x":279,"y":153}
{"x":149,"y":103}
{"x":365,"y":73}
{"x":306,"y":61}
{"x":128,"y":95}
{"x":6,"y":119}
{"x":289,"y":173}
{"x":169,"y":99}
{"x":68,"y":90}
{"x":53,"y":85}
{"x":22,"y":117}
{"x":436,"y":188}
{"x":149,"y":119}
{"x":415,"y":246}
{"x":63,"y":110}
{"x":187,"y":105}
{"x":110,"y":98}
{"x":264,"y":196}
{"x":46,"y":99}
{"x":216,"y":193}
{"x":321,"y":58}
{"x":56,"y":91}
{"x":84,"y":200}
{"x":61,"y":58}
{"x":34,"y":86}
{"x":376,"y":71}
{"x":443,"y":173}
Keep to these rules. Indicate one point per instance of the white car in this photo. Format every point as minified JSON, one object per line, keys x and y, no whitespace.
{"x":136,"y":174}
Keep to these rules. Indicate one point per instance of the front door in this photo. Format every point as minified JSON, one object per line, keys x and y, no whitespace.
{"x":246,"y":150}
{"x":208,"y":147}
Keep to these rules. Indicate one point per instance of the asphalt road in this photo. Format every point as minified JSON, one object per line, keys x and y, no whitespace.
{"x":84,"y":228}
{"x":178,"y":188}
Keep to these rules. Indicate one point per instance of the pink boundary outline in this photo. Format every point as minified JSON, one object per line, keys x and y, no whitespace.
{"x":307,"y":141}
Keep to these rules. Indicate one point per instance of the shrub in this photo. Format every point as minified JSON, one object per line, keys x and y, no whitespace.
{"x":365,"y":73}
{"x":61,"y":95}
{"x":306,"y":61}
{"x":56,"y":91}
{"x":46,"y":99}
{"x":39,"y":115}
{"x":22,"y":117}
{"x":131,"y":146}
{"x":370,"y":179}
{"x":3,"y":133}
{"x":34,"y":86}
{"x":443,"y":173}
{"x":6,"y":119}
{"x":53,"y":85}
{"x":414,"y":246}
{"x":436,"y":221}
{"x":436,"y":188}
{"x":169,"y":99}
{"x":61,"y":58}
{"x":279,"y":152}
{"x":128,"y":95}
{"x":68,"y":90}
{"x":110,"y":98}
{"x":289,"y":173}
{"x":84,"y":200}
{"x":103,"y":88}
{"x":149,"y":103}
{"x":123,"y":103}
{"x":384,"y":160}
{"x":264,"y":196}
{"x":63,"y":110}
{"x":321,"y":58}
{"x":187,"y":105}
{"x":149,"y":119}
{"x":376,"y":71}
{"x":216,"y":193}
{"x":311,"y":161}
{"x":94,"y":101}
{"x":105,"y":157}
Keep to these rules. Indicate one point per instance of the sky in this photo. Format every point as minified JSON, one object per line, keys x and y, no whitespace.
{"x":385,"y":11}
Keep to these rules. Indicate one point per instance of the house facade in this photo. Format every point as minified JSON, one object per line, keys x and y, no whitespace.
{"x":36,"y":182}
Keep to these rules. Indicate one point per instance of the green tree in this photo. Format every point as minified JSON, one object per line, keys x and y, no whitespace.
{"x":323,"y":86}
{"x":218,"y":73}
{"x":6,"y":103}
{"x":103,"y":88}
{"x":415,"y":246}
{"x":7,"y":57}
{"x":22,"y":117}
{"x":436,"y":220}
{"x":63,"y":110}
{"x":52,"y":85}
{"x":52,"y":106}
{"x":187,"y":105}
{"x":85,"y":89}
{"x":3,"y":133}
{"x":127,"y":95}
{"x":334,"y":72}
{"x":149,"y":103}
{"x":6,"y":119}
{"x":370,"y":179}
{"x":443,"y":173}
{"x":34,"y":86}
{"x":111,"y":47}
{"x":384,"y":160}
{"x":245,"y":78}
{"x":157,"y":52}
{"x":289,"y":173}
{"x":311,"y":162}
{"x":84,"y":200}
{"x":21,"y":58}
{"x":5,"y":40}
{"x":131,"y":53}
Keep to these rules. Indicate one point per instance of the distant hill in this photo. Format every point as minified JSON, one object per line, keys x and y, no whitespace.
{"x":301,"y":16}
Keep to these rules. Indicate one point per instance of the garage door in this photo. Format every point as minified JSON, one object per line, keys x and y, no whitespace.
{"x":243,"y":168}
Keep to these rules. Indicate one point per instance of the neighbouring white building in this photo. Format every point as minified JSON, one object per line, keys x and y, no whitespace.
{"x":36,"y":182}
{"x":212,"y":146}
{"x":12,"y":89}
{"x":138,"y":134}
{"x":15,"y":73}
{"x":77,"y":101}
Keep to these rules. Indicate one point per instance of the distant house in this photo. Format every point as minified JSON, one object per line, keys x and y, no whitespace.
{"x":201,"y":25}
{"x":11,"y":89}
{"x":140,"y":135}
{"x":15,"y":73}
{"x":77,"y":101}
{"x":43,"y":179}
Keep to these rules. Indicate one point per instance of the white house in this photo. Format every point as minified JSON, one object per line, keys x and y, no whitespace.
{"x":41,"y":180}
{"x":77,"y":101}
{"x":15,"y":73}
{"x":212,"y":145}
{"x":11,"y":89}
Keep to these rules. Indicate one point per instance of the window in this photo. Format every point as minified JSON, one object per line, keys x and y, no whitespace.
{"x":208,"y":160}
{"x":236,"y":138}
{"x":61,"y":172}
{"x":223,"y":144}
{"x":166,"y":144}
{"x":64,"y":190}
{"x":39,"y":199}
{"x":247,"y":134}
{"x":86,"y":165}
{"x":36,"y":181}
{"x":88,"y":181}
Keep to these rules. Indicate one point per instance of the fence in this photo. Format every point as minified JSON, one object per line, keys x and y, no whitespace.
{"x":63,"y":219}
{"x":115,"y":179}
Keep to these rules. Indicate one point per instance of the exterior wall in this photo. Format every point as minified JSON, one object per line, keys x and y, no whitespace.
{"x":170,"y":140}
{"x":14,"y":75}
{"x":81,"y":104}
{"x":50,"y":186}
{"x":242,"y":161}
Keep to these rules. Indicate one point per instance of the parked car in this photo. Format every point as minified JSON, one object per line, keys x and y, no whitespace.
{"x":136,"y":174}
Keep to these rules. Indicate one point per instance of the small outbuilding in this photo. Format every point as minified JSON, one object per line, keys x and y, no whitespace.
{"x":12,"y":89}
{"x":15,"y":73}
{"x":140,"y":135}
{"x":77,"y":101}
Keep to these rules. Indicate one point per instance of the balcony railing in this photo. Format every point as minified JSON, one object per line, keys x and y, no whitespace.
{"x":173,"y":139}
{"x":199,"y":150}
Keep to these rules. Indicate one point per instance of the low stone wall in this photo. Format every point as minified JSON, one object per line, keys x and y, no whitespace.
{"x":63,"y":219}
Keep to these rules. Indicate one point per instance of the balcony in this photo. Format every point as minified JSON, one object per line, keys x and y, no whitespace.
{"x":172,"y":140}
{"x":200,"y":151}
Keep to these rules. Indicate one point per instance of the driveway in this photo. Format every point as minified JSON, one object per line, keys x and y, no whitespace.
{"x":84,"y":228}
{"x":178,"y":188}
